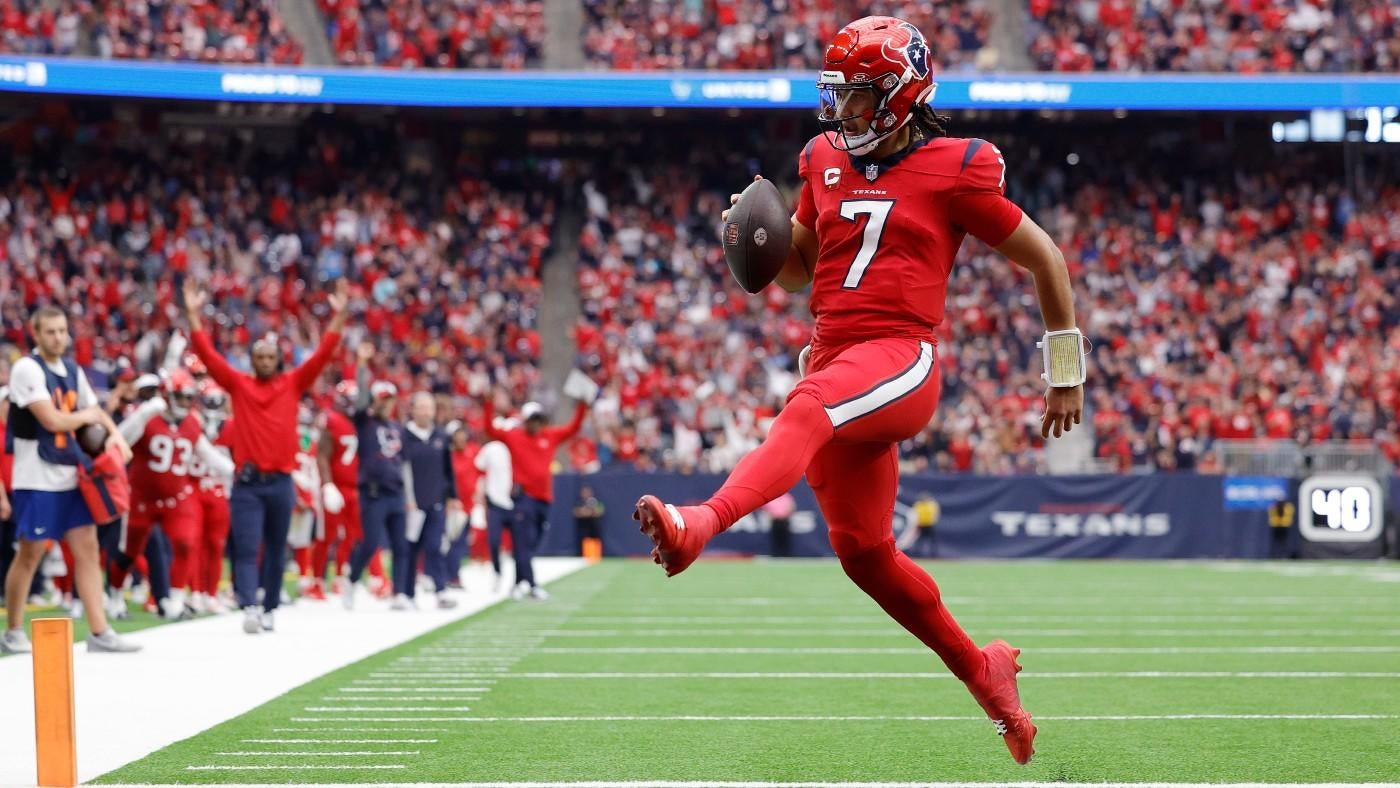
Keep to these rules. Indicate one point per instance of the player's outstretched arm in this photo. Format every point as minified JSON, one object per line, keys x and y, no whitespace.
{"x":1032,"y":248}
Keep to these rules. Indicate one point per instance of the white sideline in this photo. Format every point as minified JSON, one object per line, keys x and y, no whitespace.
{"x":712,"y":784}
{"x":208,"y":671}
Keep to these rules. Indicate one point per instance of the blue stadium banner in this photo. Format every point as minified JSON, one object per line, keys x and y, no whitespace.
{"x":1254,"y":492}
{"x":1157,"y":516}
{"x":776,"y":89}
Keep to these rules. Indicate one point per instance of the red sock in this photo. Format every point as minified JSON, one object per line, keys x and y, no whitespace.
{"x":907,"y":593}
{"x":303,"y":555}
{"x":765,"y":473}
{"x":320,"y":554}
{"x":376,"y":565}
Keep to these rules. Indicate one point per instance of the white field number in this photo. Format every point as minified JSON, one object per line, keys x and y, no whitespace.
{"x":1348,"y":508}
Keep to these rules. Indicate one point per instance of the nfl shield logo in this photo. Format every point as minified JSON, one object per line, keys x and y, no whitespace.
{"x":872,"y":171}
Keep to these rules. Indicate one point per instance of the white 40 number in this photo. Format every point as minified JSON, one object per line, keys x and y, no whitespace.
{"x":878,"y":211}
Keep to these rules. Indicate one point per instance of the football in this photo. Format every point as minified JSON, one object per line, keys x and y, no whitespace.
{"x":757,"y":236}
{"x":92,"y":438}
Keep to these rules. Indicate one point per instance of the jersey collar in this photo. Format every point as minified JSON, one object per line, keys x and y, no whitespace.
{"x":864,"y":164}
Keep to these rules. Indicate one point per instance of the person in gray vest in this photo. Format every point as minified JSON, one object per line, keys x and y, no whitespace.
{"x":50,"y":399}
{"x":429,"y":493}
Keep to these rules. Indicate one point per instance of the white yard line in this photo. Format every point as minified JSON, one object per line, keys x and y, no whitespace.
{"x":382,"y":719}
{"x":326,"y":709}
{"x":267,"y":767}
{"x":986,"y":617}
{"x":915,"y":650}
{"x":337,"y":741}
{"x":325,"y":729}
{"x":338,"y":754}
{"x":932,"y":718}
{"x":716,"y":784}
{"x":1144,"y":674}
{"x":433,"y":690}
{"x":185,"y":655}
{"x":895,"y":632}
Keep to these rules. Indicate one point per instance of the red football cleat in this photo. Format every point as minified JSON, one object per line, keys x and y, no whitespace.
{"x":317,"y":591}
{"x":996,"y":691}
{"x":677,"y":546}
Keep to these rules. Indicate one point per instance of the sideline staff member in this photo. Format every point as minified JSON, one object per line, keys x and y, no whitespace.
{"x":264,"y":451}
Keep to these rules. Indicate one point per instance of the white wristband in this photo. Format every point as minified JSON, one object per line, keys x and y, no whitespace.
{"x":1063,"y":352}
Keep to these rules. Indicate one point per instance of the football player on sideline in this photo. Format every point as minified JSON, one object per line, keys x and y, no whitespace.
{"x":887,"y":198}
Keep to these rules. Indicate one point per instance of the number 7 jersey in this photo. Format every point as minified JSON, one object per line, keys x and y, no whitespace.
{"x":887,"y":232}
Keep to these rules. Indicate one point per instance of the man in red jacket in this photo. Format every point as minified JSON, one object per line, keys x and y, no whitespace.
{"x":264,"y":451}
{"x":532,"y":449}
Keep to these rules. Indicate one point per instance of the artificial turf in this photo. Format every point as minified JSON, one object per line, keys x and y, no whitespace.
{"x":1114,"y":654}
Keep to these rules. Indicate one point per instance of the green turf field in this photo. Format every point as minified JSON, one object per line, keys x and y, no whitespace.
{"x":1171,"y":672}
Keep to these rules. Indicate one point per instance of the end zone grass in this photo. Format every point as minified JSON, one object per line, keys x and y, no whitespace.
{"x":784,"y":672}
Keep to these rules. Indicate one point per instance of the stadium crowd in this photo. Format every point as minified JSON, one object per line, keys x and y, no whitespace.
{"x":504,"y":34}
{"x":224,"y":31}
{"x":446,"y":270}
{"x":1244,"y":36}
{"x":762,"y":34}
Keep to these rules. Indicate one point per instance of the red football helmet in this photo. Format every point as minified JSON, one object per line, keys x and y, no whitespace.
{"x":346,"y":392}
{"x":181,"y":390}
{"x":195,"y":366}
{"x":877,"y":69}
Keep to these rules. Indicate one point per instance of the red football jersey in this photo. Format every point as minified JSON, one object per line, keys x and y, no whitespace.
{"x":887,"y":232}
{"x":210,"y":483}
{"x":162,"y":459}
{"x":345,"y":450}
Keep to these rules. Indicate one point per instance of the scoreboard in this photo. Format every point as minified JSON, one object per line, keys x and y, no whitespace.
{"x":1343,"y":512}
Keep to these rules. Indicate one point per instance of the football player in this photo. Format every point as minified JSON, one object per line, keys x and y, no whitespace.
{"x":214,"y":487}
{"x":887,"y":198}
{"x":167,"y":441}
{"x":340,"y":493}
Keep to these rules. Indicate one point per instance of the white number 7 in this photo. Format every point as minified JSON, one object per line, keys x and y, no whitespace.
{"x":878,"y":211}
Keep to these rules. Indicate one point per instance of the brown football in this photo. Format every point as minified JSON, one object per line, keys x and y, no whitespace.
{"x":757,"y":236}
{"x":91,"y":438}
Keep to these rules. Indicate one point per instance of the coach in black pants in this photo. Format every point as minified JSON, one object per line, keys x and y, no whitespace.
{"x":264,"y":451}
{"x":431,"y":492}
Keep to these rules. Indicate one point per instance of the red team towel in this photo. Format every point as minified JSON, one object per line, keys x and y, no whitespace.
{"x":105,"y":487}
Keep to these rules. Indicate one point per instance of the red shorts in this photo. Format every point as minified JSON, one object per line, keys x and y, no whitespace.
{"x":180,"y":516}
{"x":884,"y":390}
{"x":876,"y":394}
{"x":345,"y":524}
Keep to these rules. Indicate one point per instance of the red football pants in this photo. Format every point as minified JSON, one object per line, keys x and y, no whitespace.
{"x":214,"y":514}
{"x":841,"y":427}
{"x":181,"y":524}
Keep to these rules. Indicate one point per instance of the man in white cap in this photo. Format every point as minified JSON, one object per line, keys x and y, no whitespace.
{"x":382,"y":503}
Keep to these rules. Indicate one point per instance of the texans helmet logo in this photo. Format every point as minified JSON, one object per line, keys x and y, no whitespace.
{"x":914,"y":53}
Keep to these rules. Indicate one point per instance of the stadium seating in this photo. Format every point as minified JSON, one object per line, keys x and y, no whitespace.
{"x":449,"y":259}
{"x":1235,"y":35}
{"x":435,"y":33}
{"x":758,"y":34}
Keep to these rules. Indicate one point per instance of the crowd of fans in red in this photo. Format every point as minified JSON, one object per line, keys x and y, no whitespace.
{"x":762,"y":34}
{"x":1257,"y":305}
{"x":1245,"y":36}
{"x":226,"y":31}
{"x":1252,"y":301}
{"x":505,"y":34}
